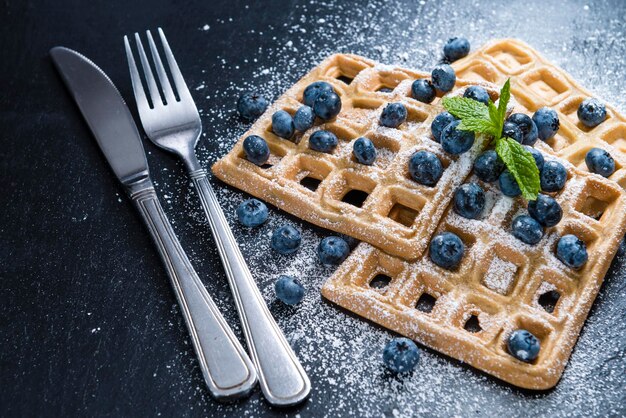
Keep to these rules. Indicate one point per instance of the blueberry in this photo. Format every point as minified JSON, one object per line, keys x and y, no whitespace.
{"x":256,"y":149}
{"x":323,"y":141}
{"x":286,"y":239}
{"x":455,"y":141}
{"x":553,"y":176}
{"x":527,"y":229}
{"x":600,"y":162}
{"x":364,"y":151}
{"x":251,"y":105}
{"x":393,"y":115}
{"x":423,"y":90}
{"x":439,"y":123}
{"x":508,"y":184}
{"x":572,"y":251}
{"x":456,"y":48}
{"x":425,"y":168}
{"x":313,"y":90}
{"x":523,"y":345}
{"x":547,"y":122}
{"x":591,"y":112}
{"x":488,"y":166}
{"x":477,"y":93}
{"x":443,"y":77}
{"x":539,"y":161}
{"x":469,"y":200}
{"x":527,"y":126}
{"x":333,"y":250}
{"x":327,"y":105}
{"x":401,"y":355}
{"x":511,"y":130}
{"x":289,"y":290}
{"x":252,"y":212}
{"x":545,"y":210}
{"x":282,"y":124}
{"x":446,"y":250}
{"x":304,"y":118}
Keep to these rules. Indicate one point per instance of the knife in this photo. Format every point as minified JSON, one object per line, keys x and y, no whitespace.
{"x":226,"y":367}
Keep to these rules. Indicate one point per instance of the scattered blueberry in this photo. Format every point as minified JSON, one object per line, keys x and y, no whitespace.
{"x":591,"y":112}
{"x":401,"y":355}
{"x":508,"y":184}
{"x":469,"y":200}
{"x":572,"y":251}
{"x":323,"y":141}
{"x":304,"y":118}
{"x":446,"y":250}
{"x":523,"y":345}
{"x":547,"y":122}
{"x":286,"y":239}
{"x":327,"y":105}
{"x":477,"y":93}
{"x":553,"y":176}
{"x":527,"y":126}
{"x":455,"y":141}
{"x":364,"y":151}
{"x":527,"y":229}
{"x":456,"y":48}
{"x":256,"y":149}
{"x":545,"y":210}
{"x":289,"y":290}
{"x":539,"y":160}
{"x":439,"y":123}
{"x":600,"y":162}
{"x":251,"y":105}
{"x":511,"y":130}
{"x":282,"y":124}
{"x":333,"y":250}
{"x":443,"y":77}
{"x":252,"y":212}
{"x":393,"y":115}
{"x":423,"y":90}
{"x":313,"y":90}
{"x":488,"y":166}
{"x":425,"y":168}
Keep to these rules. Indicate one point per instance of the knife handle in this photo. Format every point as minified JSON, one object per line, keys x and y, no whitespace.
{"x":282,"y":378}
{"x":226,"y":367}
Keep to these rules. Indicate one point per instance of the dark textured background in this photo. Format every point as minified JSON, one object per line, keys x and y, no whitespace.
{"x":88,"y":323}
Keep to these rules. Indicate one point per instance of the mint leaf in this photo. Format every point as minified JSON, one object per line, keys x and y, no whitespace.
{"x":462,"y":108}
{"x":522,"y":166}
{"x":505,"y":96}
{"x":497,"y":122}
{"x":484,"y":126}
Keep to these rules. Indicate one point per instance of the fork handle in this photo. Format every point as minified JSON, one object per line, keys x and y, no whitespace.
{"x":226,"y":367}
{"x":282,"y":378}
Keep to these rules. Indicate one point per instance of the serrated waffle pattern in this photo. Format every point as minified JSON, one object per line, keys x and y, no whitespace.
{"x":501,"y":284}
{"x":536,"y":82}
{"x":394,"y":212}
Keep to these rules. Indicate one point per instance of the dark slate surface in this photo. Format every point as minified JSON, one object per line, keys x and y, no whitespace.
{"x":88,"y":323}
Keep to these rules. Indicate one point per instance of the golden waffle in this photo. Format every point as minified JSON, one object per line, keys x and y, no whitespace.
{"x":535,"y":82}
{"x":379,"y":204}
{"x":501,"y":284}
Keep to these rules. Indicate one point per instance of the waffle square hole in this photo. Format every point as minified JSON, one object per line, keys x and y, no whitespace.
{"x":384,"y":89}
{"x":594,"y":208}
{"x":380,"y":281}
{"x":426,"y":303}
{"x":345,"y":79}
{"x":403,"y":214}
{"x":310,"y":183}
{"x":414,"y":119}
{"x":355,"y":197}
{"x":500,"y":276}
{"x":546,"y":84}
{"x":478,"y":72}
{"x":597,"y":201}
{"x":548,"y":300}
{"x":509,"y":56}
{"x":616,"y":136}
{"x":563,"y":138}
{"x":570,"y":109}
{"x":472,"y":324}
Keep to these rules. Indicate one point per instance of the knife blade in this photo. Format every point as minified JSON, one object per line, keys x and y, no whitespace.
{"x":227,"y":369}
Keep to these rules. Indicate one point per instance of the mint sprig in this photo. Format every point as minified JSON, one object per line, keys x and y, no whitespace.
{"x":489,"y":120}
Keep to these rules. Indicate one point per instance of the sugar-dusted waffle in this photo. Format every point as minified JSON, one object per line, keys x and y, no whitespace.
{"x":501,"y":284}
{"x":379,"y":204}
{"x":536,"y":82}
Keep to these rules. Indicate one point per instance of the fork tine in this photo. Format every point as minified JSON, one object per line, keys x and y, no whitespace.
{"x":165,"y":82}
{"x":140,"y":93}
{"x":152,"y":86}
{"x":179,"y":81}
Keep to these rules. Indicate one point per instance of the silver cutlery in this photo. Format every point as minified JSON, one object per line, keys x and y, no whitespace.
{"x":174,"y":124}
{"x":226,"y":367}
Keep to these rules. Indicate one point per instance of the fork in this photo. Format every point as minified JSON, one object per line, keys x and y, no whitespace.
{"x":174,"y":124}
